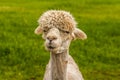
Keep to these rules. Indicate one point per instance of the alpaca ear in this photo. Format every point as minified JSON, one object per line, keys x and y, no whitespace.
{"x":79,"y":34}
{"x":38,"y":30}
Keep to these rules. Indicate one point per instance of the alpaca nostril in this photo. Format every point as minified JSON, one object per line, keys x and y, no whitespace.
{"x":50,"y":41}
{"x":54,"y":38}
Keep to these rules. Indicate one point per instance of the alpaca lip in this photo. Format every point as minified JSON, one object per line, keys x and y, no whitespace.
{"x":51,"y":47}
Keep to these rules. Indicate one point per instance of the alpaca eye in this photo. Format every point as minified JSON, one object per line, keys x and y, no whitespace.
{"x":44,"y":30}
{"x":67,"y":32}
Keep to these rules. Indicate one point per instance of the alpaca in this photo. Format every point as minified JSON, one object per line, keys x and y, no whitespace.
{"x":58,"y":29}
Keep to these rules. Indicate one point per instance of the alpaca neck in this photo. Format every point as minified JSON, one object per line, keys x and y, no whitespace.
{"x":59,"y":65}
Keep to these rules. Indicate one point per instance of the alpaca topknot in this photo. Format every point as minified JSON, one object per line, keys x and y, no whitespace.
{"x":59,"y":19}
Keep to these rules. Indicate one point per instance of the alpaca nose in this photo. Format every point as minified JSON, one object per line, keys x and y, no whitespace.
{"x":51,"y":38}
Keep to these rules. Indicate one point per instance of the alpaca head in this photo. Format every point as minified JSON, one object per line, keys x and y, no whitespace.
{"x":58,"y":28}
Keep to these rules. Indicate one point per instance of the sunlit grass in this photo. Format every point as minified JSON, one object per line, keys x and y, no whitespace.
{"x":22,"y":53}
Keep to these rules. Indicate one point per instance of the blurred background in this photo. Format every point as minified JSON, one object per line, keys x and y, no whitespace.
{"x":22,"y":53}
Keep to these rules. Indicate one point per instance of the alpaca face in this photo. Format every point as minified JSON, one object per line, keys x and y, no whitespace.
{"x":56,"y":40}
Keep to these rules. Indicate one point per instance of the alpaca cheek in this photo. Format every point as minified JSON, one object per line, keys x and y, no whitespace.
{"x":57,"y":42}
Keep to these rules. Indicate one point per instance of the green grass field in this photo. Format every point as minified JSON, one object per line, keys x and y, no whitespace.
{"x":22,"y":53}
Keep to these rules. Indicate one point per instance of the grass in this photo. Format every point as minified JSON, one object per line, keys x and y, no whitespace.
{"x":22,"y":53}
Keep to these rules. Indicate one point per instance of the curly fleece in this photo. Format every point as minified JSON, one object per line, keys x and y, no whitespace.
{"x":60,"y":19}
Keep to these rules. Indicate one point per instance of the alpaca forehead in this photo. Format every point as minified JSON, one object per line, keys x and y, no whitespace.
{"x":54,"y":31}
{"x":59,"y":19}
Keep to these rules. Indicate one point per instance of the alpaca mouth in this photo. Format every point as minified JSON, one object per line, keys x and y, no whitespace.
{"x":51,"y":47}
